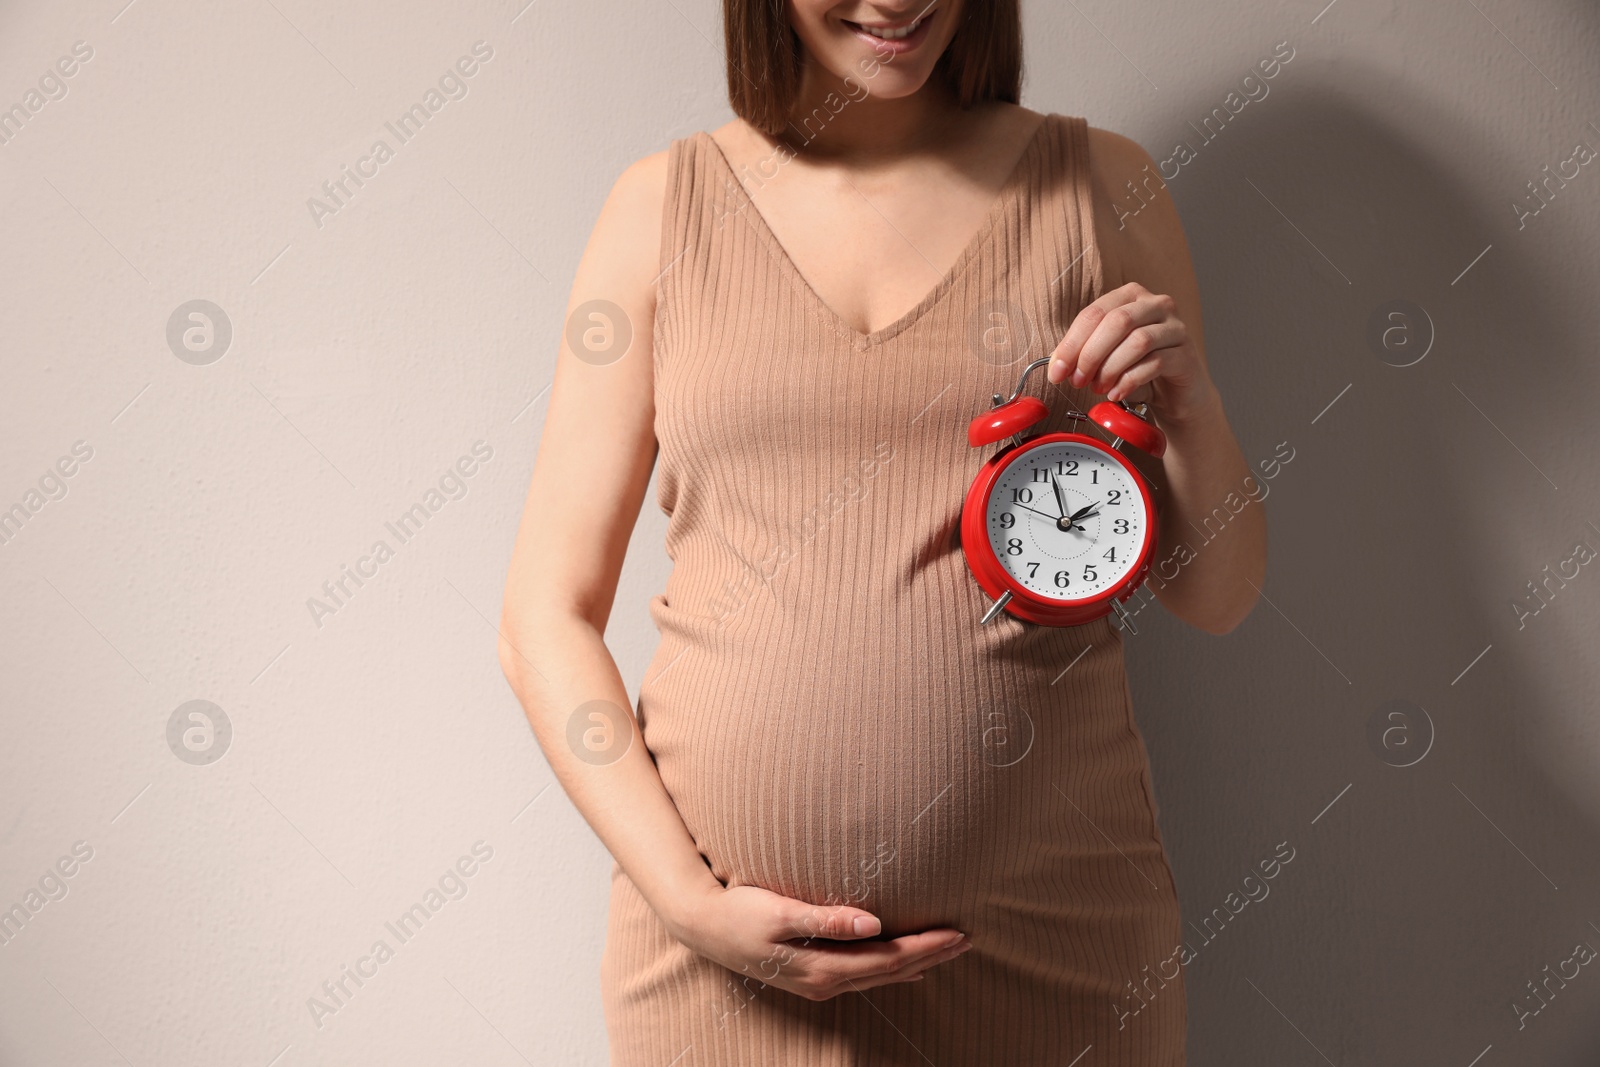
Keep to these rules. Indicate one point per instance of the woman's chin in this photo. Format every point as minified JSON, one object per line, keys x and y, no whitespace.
{"x":889,"y":83}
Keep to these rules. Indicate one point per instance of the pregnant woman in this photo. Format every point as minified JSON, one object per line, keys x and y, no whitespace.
{"x":851,"y":824}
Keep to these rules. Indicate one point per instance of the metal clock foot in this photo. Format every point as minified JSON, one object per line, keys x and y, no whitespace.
{"x":996,"y":609}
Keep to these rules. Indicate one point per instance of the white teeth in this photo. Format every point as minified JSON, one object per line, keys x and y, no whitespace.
{"x":895,"y":35}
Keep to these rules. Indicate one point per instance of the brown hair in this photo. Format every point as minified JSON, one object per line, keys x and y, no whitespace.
{"x":982,"y":62}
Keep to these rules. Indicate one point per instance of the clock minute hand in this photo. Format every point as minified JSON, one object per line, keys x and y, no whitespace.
{"x":1061,"y":495}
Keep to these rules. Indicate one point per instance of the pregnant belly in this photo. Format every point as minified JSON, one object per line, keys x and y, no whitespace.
{"x":912,"y":797}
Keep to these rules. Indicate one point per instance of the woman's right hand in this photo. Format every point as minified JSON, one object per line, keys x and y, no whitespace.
{"x":812,"y":951}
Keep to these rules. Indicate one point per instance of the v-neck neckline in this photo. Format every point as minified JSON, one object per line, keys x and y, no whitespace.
{"x":980,"y":237}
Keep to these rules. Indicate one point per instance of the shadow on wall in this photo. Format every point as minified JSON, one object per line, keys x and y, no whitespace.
{"x":1422,"y":902}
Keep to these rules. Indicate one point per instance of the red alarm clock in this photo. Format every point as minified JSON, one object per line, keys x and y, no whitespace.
{"x":1059,"y":528}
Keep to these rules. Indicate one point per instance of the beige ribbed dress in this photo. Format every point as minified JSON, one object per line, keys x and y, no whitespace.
{"x":824,"y":708}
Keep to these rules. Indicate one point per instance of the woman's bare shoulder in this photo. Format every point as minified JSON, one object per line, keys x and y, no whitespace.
{"x":626,"y":241}
{"x":1111,"y":150}
{"x":1022,"y":116}
{"x":1015,"y":120}
{"x":642,"y":181}
{"x":1136,"y":223}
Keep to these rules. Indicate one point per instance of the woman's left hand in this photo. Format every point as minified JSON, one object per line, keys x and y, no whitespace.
{"x":1131,"y":337}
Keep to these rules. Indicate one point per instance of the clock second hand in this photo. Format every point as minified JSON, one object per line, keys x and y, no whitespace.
{"x":1082,"y":513}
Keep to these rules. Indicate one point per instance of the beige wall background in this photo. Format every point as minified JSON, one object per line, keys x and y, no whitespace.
{"x":186,"y":486}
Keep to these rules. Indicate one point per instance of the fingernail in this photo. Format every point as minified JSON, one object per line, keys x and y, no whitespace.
{"x":963,"y":948}
{"x":1077,"y":377}
{"x":1054,"y":372}
{"x":866,"y":926}
{"x":956,"y":940}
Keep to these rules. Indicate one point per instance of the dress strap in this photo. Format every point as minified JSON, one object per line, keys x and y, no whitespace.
{"x":688,"y":219}
{"x":1064,"y":201}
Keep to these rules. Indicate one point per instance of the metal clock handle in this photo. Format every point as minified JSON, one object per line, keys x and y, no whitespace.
{"x":1141,"y":411}
{"x":1022,"y":383}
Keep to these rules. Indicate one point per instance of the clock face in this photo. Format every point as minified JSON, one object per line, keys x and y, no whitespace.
{"x":1066,"y":521}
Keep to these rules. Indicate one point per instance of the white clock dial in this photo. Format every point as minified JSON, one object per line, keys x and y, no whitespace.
{"x":1038,"y":493}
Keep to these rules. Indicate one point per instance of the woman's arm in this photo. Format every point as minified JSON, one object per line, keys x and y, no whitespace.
{"x":589,"y":479}
{"x":1142,"y":340}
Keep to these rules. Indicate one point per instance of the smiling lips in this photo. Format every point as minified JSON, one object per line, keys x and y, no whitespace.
{"x":892,"y":32}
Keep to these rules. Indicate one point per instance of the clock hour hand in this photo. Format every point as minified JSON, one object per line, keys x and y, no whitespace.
{"x":1083,"y":513}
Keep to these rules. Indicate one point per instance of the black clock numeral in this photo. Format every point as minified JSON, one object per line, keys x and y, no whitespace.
{"x":1067,"y":467}
{"x":1022,"y":495}
{"x":1062,"y":579}
{"x":1120,"y":525}
{"x":1007,"y":520}
{"x":1114,"y":496}
{"x":1033,"y":568}
{"x":1094,"y":476}
{"x":1041,"y":474}
{"x":1089,"y":574}
{"x":1014,"y":546}
{"x":1111,"y":555}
